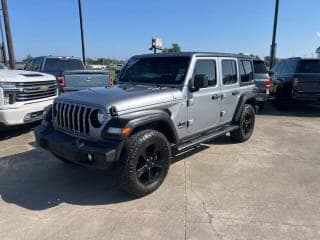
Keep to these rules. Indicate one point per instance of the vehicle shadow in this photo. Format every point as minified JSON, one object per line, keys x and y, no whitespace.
{"x":17,"y":130}
{"x":297,"y":110}
{"x":35,"y":180}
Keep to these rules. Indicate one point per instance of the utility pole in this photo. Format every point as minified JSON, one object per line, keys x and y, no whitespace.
{"x":12,"y":62}
{"x":2,"y":43}
{"x":81,"y":30}
{"x":274,"y":35}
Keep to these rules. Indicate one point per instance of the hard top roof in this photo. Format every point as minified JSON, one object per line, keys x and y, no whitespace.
{"x":190,"y":54}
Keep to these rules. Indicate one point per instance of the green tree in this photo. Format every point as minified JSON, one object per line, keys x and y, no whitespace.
{"x":318,"y":52}
{"x":27,"y":58}
{"x":173,"y":49}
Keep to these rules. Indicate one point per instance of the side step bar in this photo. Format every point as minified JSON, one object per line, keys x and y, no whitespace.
{"x":205,"y":138}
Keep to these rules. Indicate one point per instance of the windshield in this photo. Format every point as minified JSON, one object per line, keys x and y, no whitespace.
{"x":309,"y":66}
{"x":155,"y":70}
{"x":61,"y":65}
{"x":259,"y":67}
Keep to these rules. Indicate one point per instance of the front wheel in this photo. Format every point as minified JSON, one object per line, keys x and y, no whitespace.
{"x":145,"y":162}
{"x":246,"y":125}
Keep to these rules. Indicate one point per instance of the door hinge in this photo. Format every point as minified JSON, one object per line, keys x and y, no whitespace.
{"x":190,"y":102}
{"x":190,"y":122}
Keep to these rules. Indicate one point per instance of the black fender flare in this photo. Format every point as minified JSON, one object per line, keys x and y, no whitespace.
{"x":244,"y":98}
{"x":139,"y":119}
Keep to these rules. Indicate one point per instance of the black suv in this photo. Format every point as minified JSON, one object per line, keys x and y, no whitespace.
{"x":296,"y":79}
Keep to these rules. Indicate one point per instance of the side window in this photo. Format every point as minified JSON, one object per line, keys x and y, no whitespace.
{"x":207,"y":67}
{"x":291,"y":67}
{"x":282,"y":68}
{"x":36,"y":64}
{"x":229,"y":72}
{"x":246,"y":71}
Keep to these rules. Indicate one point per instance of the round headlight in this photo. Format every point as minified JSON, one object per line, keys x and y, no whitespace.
{"x":102,"y":118}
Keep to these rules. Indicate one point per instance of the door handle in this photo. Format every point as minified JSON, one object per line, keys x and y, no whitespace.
{"x":235,"y":93}
{"x":215,"y":96}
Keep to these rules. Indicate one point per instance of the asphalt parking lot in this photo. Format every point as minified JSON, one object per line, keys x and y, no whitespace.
{"x":266,"y":188}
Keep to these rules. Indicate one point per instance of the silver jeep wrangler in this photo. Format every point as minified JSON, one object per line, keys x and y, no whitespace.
{"x":162,"y":104}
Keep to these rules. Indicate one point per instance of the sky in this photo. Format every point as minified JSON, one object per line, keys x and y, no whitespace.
{"x":122,"y":28}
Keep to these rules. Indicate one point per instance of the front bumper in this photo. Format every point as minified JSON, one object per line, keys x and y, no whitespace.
{"x":76,"y":150}
{"x":24,"y":114}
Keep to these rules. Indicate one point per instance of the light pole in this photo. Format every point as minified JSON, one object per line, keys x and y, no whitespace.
{"x":12,"y":62}
{"x":82,"y":35}
{"x":2,"y":42}
{"x":274,"y":35}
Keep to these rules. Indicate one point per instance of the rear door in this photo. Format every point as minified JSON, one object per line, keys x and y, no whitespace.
{"x":230,"y":88}
{"x":308,"y":76}
{"x":204,"y":104}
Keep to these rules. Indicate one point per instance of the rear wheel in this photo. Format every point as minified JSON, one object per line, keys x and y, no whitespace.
{"x":246,"y":125}
{"x":145,"y":163}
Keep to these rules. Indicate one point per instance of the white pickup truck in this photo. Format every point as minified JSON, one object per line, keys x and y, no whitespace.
{"x":24,"y":95}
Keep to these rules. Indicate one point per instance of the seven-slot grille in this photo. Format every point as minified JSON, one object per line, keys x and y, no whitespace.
{"x":35,"y":90}
{"x":72,"y":118}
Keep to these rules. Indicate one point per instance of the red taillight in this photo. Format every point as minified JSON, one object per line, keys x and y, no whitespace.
{"x":61,"y":81}
{"x":268,"y":82}
{"x":294,"y":82}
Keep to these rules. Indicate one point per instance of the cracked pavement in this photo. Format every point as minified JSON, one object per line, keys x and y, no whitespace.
{"x":266,"y":188}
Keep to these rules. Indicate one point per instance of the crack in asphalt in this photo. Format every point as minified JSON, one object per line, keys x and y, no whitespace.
{"x":204,"y":208}
{"x":211,"y":218}
{"x":185,"y":200}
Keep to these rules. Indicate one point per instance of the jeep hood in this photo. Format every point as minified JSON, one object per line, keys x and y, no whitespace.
{"x":123,"y":98}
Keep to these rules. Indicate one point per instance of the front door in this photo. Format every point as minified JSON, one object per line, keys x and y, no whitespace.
{"x":204,"y":104}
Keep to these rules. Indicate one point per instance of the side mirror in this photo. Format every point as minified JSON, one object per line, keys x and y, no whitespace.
{"x":199,"y":81}
{"x":270,"y":73}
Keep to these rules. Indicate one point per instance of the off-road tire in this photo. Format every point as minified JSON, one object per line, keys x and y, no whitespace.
{"x":133,"y":160}
{"x":246,"y":125}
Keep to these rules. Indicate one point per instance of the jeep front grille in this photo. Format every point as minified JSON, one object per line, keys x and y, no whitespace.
{"x":35,"y":90}
{"x":72,"y":118}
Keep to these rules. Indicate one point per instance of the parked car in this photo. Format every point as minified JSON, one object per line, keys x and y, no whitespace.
{"x":262,"y":81}
{"x":163,"y":104}
{"x":24,"y":95}
{"x":81,"y":79}
{"x":296,"y":80}
{"x":54,"y":65}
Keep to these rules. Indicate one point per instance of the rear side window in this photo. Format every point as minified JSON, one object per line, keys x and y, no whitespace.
{"x":309,"y":66}
{"x":229,"y":72}
{"x":246,"y":71}
{"x":61,"y":65}
{"x":207,"y":67}
{"x":259,"y":67}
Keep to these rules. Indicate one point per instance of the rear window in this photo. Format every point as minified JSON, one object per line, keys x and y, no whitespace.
{"x":259,"y":67}
{"x":309,"y":66}
{"x":61,"y":65}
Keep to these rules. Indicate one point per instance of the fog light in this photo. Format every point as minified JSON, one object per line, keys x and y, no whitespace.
{"x":90,"y":157}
